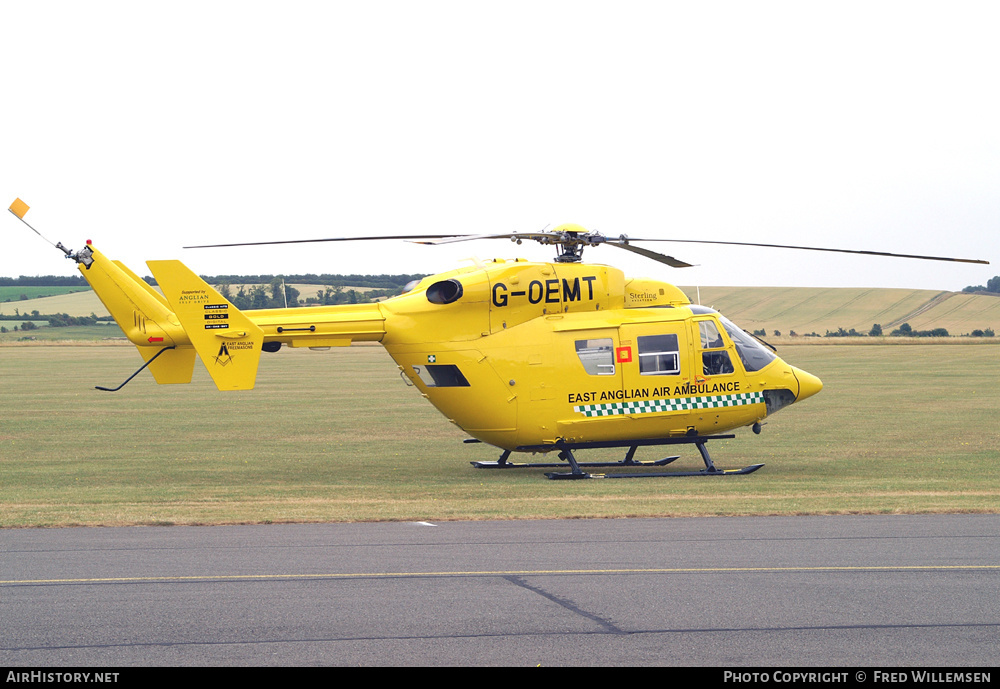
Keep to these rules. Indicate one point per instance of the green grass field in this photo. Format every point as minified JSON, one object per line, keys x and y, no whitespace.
{"x":83,"y":334}
{"x":337,"y":436}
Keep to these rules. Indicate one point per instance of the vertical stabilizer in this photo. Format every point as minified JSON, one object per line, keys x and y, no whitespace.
{"x":227,"y":341}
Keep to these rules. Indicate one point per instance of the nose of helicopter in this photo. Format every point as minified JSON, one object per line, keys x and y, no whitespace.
{"x":809,"y":384}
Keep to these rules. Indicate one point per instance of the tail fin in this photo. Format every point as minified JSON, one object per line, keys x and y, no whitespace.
{"x":143,"y":315}
{"x":227,"y":341}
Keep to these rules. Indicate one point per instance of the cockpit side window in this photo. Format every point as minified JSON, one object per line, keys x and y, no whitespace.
{"x":597,"y":356}
{"x":716,"y":363}
{"x":715,"y":359}
{"x":710,"y":337}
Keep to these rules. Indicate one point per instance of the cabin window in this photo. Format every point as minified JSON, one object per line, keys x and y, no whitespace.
{"x":659,"y":355}
{"x":441,"y":376}
{"x":597,"y":356}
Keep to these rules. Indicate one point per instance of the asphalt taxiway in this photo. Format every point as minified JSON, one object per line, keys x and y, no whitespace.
{"x":765,"y":591}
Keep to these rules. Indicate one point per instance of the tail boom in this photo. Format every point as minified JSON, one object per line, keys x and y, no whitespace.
{"x":191,"y":316}
{"x":141,"y":312}
{"x":330,"y":326}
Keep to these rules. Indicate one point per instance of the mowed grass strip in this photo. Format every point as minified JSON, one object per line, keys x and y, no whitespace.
{"x":337,"y":436}
{"x":77,"y":335}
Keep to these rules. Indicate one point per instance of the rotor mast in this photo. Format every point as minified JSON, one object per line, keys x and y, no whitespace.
{"x":569,"y":239}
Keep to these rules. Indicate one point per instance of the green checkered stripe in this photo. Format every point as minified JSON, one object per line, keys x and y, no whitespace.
{"x":680,"y":404}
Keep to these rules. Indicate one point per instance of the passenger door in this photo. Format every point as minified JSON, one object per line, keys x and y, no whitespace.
{"x":655,"y":359}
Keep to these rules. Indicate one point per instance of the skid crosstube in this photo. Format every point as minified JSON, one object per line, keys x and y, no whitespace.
{"x":566,"y":454}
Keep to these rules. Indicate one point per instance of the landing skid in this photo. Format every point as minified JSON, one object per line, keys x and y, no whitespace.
{"x":566,"y":454}
{"x":502,"y":463}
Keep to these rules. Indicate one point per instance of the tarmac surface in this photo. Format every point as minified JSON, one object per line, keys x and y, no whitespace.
{"x":844,"y":591}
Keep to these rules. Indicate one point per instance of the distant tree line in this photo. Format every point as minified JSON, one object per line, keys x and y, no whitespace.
{"x":259,"y":296}
{"x":905,"y":330}
{"x":993,"y":285}
{"x":372,"y":281}
{"x":45,"y":281}
{"x":329,"y":296}
{"x":271,"y":296}
{"x":55,"y":320}
{"x":265,"y":291}
{"x":253,"y":291}
{"x":27,"y":325}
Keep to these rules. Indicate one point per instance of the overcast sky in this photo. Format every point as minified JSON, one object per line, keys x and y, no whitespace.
{"x":147,"y":127}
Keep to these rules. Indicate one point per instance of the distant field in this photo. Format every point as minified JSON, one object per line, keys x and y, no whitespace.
{"x":337,"y":436}
{"x":13,"y":293}
{"x":76,"y":304}
{"x":86,"y":303}
{"x":813,"y":309}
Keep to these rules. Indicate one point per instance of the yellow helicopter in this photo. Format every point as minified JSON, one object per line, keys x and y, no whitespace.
{"x":522,"y":355}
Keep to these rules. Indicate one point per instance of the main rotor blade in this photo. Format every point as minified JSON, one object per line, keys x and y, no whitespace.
{"x":467,"y":238}
{"x":537,"y":236}
{"x":816,"y":248}
{"x":328,"y":239}
{"x":415,"y":238}
{"x":662,"y":258}
{"x":625,"y":243}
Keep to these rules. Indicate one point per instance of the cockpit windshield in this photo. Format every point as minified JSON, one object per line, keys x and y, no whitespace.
{"x":753,"y":354}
